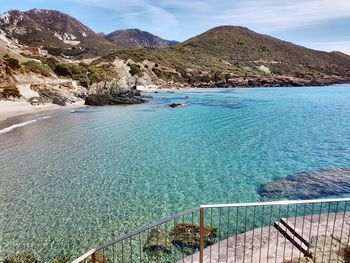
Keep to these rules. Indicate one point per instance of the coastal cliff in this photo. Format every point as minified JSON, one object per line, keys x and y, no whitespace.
{"x":226,"y":56}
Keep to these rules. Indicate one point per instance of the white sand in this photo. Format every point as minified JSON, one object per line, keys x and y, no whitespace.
{"x":10,"y":109}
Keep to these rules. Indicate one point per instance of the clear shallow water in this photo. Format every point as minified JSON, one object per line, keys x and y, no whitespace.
{"x":76,"y":180}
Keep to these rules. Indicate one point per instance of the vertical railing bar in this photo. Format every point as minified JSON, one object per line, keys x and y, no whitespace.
{"x":285,"y":240}
{"x":219,"y":232}
{"x":302,"y":227}
{"x":131,"y":260}
{"x":158,"y":231}
{"x":122,"y":250}
{"x":342,"y":228}
{"x":253,"y":233}
{"x":228,"y":232}
{"x":261,"y":234}
{"x":347,"y":242}
{"x":334,"y":222}
{"x":311,"y":219}
{"x":295,"y":224}
{"x":245,"y":232}
{"x":93,"y":258}
{"x":236,"y":230}
{"x":192,"y":253}
{"x":174,"y":250}
{"x":113,"y":248}
{"x":278,"y":223}
{"x":148,"y":257}
{"x":211,"y":225}
{"x":318,"y":226}
{"x":201,"y":236}
{"x":326,"y":230}
{"x":182,"y":247}
{"x":103,"y":253}
{"x":140,"y":247}
{"x":268,"y":240}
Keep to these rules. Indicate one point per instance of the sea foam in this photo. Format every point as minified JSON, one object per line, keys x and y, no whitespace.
{"x":21,"y":124}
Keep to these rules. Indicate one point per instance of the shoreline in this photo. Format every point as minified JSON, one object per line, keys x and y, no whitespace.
{"x":11,"y":112}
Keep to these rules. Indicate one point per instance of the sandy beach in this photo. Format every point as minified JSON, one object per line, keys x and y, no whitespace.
{"x":12,"y":109}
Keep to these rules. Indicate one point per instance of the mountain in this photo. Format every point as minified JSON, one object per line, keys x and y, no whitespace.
{"x":135,"y":38}
{"x":48,"y":28}
{"x":227,"y":54}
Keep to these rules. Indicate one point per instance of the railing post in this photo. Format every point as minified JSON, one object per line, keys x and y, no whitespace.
{"x":93,"y":258}
{"x":201,"y":240}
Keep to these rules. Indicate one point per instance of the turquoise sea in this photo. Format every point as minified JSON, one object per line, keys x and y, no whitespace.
{"x":71,"y":181}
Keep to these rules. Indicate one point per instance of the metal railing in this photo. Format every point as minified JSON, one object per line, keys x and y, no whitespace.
{"x":249,"y":232}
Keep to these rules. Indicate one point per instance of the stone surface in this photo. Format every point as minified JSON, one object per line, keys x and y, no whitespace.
{"x":267,"y":245}
{"x":328,"y":248}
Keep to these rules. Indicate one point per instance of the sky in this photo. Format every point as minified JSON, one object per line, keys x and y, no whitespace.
{"x":318,"y":24}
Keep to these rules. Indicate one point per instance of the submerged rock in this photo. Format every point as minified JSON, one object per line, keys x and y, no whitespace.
{"x":21,"y":257}
{"x":188,"y":236}
{"x":158,"y":243}
{"x":309,"y":185}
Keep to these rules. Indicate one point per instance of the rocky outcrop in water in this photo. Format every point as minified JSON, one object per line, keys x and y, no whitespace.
{"x":115,"y":98}
{"x":309,"y":185}
{"x":158,"y":243}
{"x":177,"y":105}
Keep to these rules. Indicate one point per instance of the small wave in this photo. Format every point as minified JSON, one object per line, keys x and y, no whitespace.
{"x":10,"y":128}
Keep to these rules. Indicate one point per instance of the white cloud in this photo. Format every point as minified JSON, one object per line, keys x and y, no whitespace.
{"x":141,"y":14}
{"x":269,"y":15}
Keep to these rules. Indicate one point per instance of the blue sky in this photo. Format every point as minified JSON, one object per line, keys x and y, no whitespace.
{"x":319,"y":24}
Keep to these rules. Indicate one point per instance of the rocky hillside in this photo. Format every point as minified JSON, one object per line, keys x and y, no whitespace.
{"x":52,"y":30}
{"x":135,"y":38}
{"x":237,"y":56}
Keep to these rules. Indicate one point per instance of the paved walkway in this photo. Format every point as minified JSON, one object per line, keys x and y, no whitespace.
{"x":268,"y":245}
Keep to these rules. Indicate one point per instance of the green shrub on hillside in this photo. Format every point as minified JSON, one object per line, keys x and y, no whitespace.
{"x":135,"y":70}
{"x":38,"y":67}
{"x":75,"y":71}
{"x":86,"y":74}
{"x":166,"y":75}
{"x":101,"y":73}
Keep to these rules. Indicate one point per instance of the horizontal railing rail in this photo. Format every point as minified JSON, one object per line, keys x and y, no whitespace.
{"x":242,"y":232}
